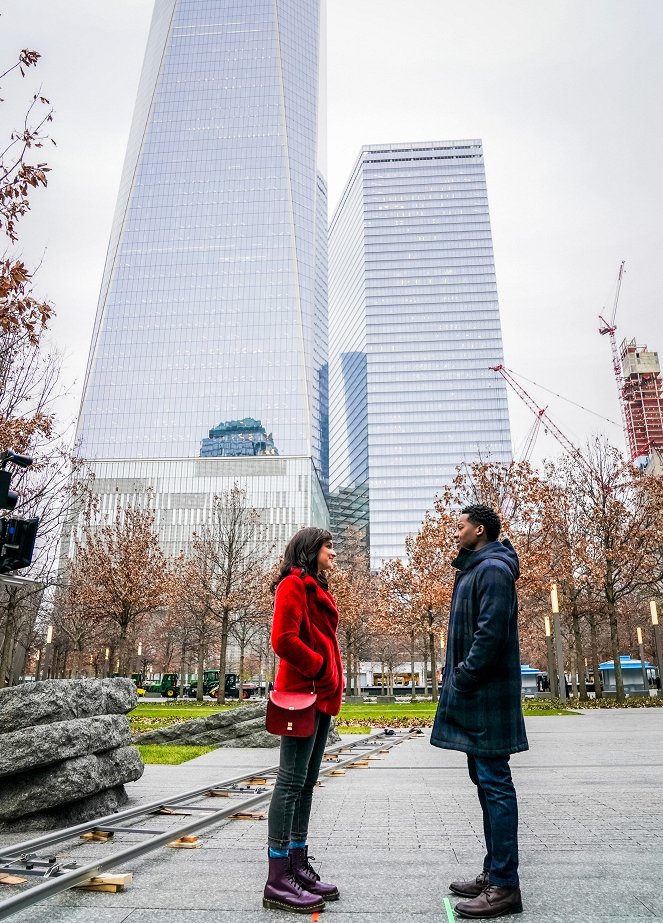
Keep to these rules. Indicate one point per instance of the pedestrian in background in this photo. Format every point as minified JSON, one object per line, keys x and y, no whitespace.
{"x":304,"y":637}
{"x":479,"y":711}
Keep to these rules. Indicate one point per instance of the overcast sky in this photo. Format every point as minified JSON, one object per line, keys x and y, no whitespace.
{"x":566,"y":95}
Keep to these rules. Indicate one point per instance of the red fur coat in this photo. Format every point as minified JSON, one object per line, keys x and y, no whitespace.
{"x":304,"y":637}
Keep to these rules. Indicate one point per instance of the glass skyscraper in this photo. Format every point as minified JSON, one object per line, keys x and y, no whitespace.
{"x":414,"y":327}
{"x":208,"y":360}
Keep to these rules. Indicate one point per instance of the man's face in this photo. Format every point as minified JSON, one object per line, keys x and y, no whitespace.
{"x":468,"y":534}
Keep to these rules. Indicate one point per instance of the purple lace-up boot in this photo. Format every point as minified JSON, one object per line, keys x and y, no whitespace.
{"x":284,"y":892}
{"x":308,"y":877}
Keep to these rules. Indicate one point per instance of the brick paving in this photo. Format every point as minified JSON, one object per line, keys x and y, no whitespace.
{"x":392,"y":836}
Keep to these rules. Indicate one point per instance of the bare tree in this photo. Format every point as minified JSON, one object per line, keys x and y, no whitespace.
{"x":121,"y":574}
{"x":228,"y":552}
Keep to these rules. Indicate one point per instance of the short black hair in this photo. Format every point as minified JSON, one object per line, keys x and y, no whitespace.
{"x":482,"y":515}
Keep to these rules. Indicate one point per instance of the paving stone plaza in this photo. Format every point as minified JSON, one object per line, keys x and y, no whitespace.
{"x":392,"y":836}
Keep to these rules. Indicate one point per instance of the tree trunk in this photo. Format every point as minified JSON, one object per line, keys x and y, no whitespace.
{"x":382,"y":676}
{"x":242,"y":646}
{"x":433,"y":659}
{"x":348,"y":664}
{"x":223,"y":657}
{"x":574,"y":674}
{"x":200,"y":668}
{"x":413,"y":695}
{"x":594,"y":644}
{"x":580,"y":656}
{"x":182,"y":667}
{"x":7,"y":647}
{"x":614,"y":645}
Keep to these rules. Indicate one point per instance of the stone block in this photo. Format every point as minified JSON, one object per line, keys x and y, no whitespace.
{"x":243,"y":726}
{"x":54,"y":700}
{"x":76,"y":812}
{"x":43,"y":789}
{"x":31,"y":747}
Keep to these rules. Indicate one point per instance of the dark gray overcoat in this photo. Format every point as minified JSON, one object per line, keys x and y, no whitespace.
{"x":479,"y":711}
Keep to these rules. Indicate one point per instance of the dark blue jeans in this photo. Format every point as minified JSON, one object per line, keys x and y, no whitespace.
{"x":497,"y":797}
{"x":290,"y":807}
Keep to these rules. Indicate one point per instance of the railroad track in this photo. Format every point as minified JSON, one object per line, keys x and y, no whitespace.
{"x":244,"y":793}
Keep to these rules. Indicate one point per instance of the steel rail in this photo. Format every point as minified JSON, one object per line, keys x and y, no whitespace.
{"x":72,"y":877}
{"x":60,"y":836}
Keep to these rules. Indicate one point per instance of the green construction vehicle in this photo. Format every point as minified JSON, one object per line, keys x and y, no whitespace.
{"x":210,"y":679}
{"x":167,"y":687}
{"x":211,"y":685}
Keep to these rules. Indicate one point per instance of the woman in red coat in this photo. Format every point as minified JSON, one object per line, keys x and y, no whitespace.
{"x":304,"y":637}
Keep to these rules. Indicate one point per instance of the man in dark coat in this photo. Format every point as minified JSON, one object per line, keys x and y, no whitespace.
{"x":479,"y":711}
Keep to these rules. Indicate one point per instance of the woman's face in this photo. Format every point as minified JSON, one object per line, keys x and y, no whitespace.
{"x":326,"y":556}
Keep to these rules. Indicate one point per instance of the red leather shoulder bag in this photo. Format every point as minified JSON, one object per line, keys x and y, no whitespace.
{"x":291,"y":714}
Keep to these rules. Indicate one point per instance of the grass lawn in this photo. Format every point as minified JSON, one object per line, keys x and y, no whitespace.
{"x":408,"y":714}
{"x":170,"y":754}
{"x":354,"y":719}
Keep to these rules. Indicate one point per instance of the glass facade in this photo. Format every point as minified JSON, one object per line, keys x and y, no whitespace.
{"x":213,"y":304}
{"x":181,"y":492}
{"x":414,"y":328}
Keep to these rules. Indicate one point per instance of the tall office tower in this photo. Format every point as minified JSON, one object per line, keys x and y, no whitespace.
{"x":208,"y":359}
{"x":414,"y":327}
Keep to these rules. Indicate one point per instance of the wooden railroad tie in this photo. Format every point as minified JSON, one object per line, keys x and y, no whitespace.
{"x":111,"y":883}
{"x":6,"y":879}
{"x":219,"y":793}
{"x":360,"y":764}
{"x":99,"y":836}
{"x":259,"y":781}
{"x":337,"y":772}
{"x":180,"y":812}
{"x":249,"y":815}
{"x":186,"y":842}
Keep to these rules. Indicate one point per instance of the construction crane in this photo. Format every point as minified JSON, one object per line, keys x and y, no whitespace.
{"x":542,"y":414}
{"x":610,"y":329}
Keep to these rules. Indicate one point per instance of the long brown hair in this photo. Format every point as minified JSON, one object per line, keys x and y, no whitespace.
{"x":302,"y":552}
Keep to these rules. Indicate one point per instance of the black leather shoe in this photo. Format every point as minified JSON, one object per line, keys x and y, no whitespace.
{"x":492,"y":902}
{"x":471,"y":888}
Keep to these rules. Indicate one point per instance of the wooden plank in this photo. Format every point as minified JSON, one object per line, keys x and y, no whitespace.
{"x":112,"y":883}
{"x":7,"y":879}
{"x":249,"y":815}
{"x":259,"y":781}
{"x":360,"y":764}
{"x":218,"y":793}
{"x":186,"y":842}
{"x":99,"y":836}
{"x":337,"y":772}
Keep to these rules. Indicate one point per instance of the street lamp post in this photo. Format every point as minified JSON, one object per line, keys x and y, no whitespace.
{"x":641,"y":651}
{"x":552,"y":670}
{"x":106,"y":662}
{"x":559,"y":651}
{"x":48,"y":653}
{"x":657,"y":642}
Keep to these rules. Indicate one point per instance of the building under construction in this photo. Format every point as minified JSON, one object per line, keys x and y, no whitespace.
{"x":642,"y":403}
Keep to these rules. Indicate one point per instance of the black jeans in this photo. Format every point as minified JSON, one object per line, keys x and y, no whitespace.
{"x":290,"y":807}
{"x":497,"y":796}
